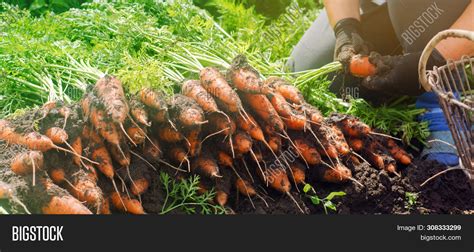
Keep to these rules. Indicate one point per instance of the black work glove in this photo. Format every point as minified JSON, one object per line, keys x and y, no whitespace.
{"x":349,"y":41}
{"x":399,"y":74}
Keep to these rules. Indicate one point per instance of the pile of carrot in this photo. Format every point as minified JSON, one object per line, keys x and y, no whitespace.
{"x":236,"y":130}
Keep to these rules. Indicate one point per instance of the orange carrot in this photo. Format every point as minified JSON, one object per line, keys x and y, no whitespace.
{"x":295,"y":122}
{"x":65,"y":112}
{"x":312,"y":113}
{"x":194,"y":139}
{"x":77,"y":148}
{"x":27,"y":162}
{"x":120,"y":155}
{"x":275,"y":143}
{"x":215,"y":84}
{"x":242,"y":143}
{"x":152,"y":99}
{"x":245,"y":188}
{"x":65,"y":205}
{"x":220,"y":123}
{"x":85,"y":189}
{"x":280,"y":104}
{"x":398,"y":153}
{"x":169,"y":134}
{"x":337,"y":174}
{"x":57,"y":135}
{"x":245,"y":78}
{"x":206,"y":166}
{"x":139,"y":186}
{"x":194,"y":90}
{"x":107,"y":130}
{"x":356,"y":144}
{"x":221,"y":198}
{"x":264,"y":109}
{"x":186,"y":111}
{"x":132,"y":206}
{"x":288,"y":91}
{"x":57,"y":175}
{"x":102,"y":156}
{"x":139,"y":113}
{"x":360,"y":66}
{"x":137,"y":134}
{"x":309,"y":153}
{"x":61,"y":203}
{"x":110,"y":91}
{"x":298,"y":172}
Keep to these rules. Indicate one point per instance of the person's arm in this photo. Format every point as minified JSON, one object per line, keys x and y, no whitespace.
{"x":455,"y":48}
{"x":341,"y":9}
{"x":344,"y":17}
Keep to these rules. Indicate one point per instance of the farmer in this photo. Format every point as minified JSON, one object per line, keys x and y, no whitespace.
{"x":393,"y":33}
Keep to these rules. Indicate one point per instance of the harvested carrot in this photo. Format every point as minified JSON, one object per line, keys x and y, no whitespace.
{"x":279,"y":103}
{"x":120,"y":155}
{"x":132,"y":206}
{"x":139,"y":186}
{"x":194,"y":139}
{"x":65,"y":205}
{"x":245,"y":188}
{"x":138,"y":112}
{"x":288,"y":91}
{"x":295,"y":122}
{"x":57,"y":175}
{"x":152,"y":99}
{"x":102,"y":156}
{"x":309,"y":153}
{"x":27,"y":162}
{"x":221,"y":198}
{"x":61,"y":203}
{"x":264,"y":109}
{"x":275,"y":143}
{"x":137,"y":134}
{"x":398,"y":153}
{"x":57,"y":135}
{"x":77,"y":148}
{"x":337,"y":174}
{"x":356,"y":144}
{"x":65,"y":112}
{"x":110,"y":91}
{"x":245,"y":78}
{"x":360,"y":66}
{"x":186,"y":111}
{"x":215,"y":84}
{"x":224,"y":159}
{"x":298,"y":171}
{"x":222,"y":124}
{"x":106,"y":129}
{"x":169,"y":134}
{"x":206,"y":166}
{"x":194,"y":90}
{"x":85,"y":189}
{"x":313,"y":114}
{"x":242,"y":143}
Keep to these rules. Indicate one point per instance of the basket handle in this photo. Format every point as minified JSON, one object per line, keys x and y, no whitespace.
{"x":430,"y":47}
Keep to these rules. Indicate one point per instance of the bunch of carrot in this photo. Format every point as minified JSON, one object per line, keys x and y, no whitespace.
{"x":235,"y":129}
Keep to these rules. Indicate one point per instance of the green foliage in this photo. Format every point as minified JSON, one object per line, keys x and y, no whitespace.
{"x":325,"y":202}
{"x":411,"y":200}
{"x":184,"y":196}
{"x":38,"y":7}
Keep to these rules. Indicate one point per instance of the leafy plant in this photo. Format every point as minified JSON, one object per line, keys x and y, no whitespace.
{"x":326,"y":202}
{"x":183,"y":196}
{"x":411,"y":199}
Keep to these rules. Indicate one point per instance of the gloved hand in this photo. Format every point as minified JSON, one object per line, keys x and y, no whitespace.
{"x":349,"y":41}
{"x":399,"y":74}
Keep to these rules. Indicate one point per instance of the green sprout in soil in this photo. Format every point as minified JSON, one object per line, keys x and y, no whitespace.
{"x":411,"y":200}
{"x":325,"y":202}
{"x":184,"y":196}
